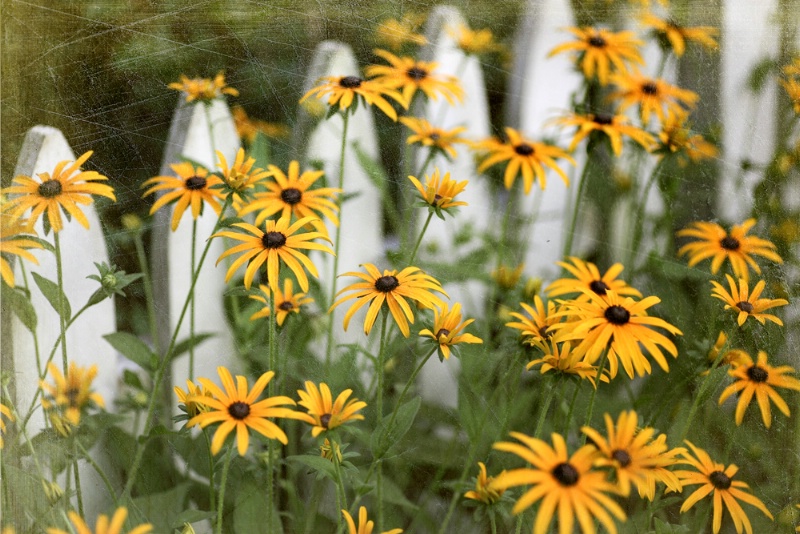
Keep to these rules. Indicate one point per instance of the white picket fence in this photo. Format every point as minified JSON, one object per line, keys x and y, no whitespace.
{"x":539,"y":89}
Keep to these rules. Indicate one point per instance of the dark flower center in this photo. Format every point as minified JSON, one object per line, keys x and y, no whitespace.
{"x":720,"y":480}
{"x":650,"y":88}
{"x":417,"y":73}
{"x":195,"y":182}
{"x":350,"y":82}
{"x":603,"y":119}
{"x":524,"y":149}
{"x":435,"y":136}
{"x":384,"y":284}
{"x":544,"y":333}
{"x":291,"y":195}
{"x":50,"y":188}
{"x":72,"y":395}
{"x":239,"y":410}
{"x":325,"y":420}
{"x":273,"y":240}
{"x":745,"y":306}
{"x":729,"y":243}
{"x":599,"y":287}
{"x":757,"y":374}
{"x":443,"y":332}
{"x":565,"y":474}
{"x":622,"y":457}
{"x":286,"y":306}
{"x":437,"y":198}
{"x":597,"y":41}
{"x":617,"y":315}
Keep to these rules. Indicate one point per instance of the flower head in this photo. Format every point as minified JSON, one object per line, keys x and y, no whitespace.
{"x":203,"y":89}
{"x":237,"y":409}
{"x":15,"y":240}
{"x":652,"y":95}
{"x":566,"y":485}
{"x":734,"y":357}
{"x":248,"y":129}
{"x":392,"y":288}
{"x":758,"y":379}
{"x":676,"y":137}
{"x":395,"y":33}
{"x":534,"y":327}
{"x":613,"y":126}
{"x":746,"y":303}
{"x":560,"y":357}
{"x":103,"y":526}
{"x":364,"y":525}
{"x":323,"y":412}
{"x":241,"y":178}
{"x":792,"y":88}
{"x":587,"y":276}
{"x":67,"y":187}
{"x":5,"y":411}
{"x":523,"y":156}
{"x":674,"y":36}
{"x":439,"y":192}
{"x":447,"y":327}
{"x":409,"y":75}
{"x":438,"y":139}
{"x":717,"y":480}
{"x":187,"y":398}
{"x":346,"y":91}
{"x":191,"y":187}
{"x":599,"y":51}
{"x":69,"y":395}
{"x":484,"y":491}
{"x":474,"y":42}
{"x":286,"y":301}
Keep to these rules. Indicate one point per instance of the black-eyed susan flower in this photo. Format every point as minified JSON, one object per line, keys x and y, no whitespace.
{"x":187,"y":398}
{"x":676,"y":136}
{"x":15,"y":240}
{"x":507,"y":277}
{"x":345,"y":91}
{"x":759,"y":379}
{"x":292,"y":195}
{"x":733,"y":357}
{"x":409,"y":76}
{"x":64,"y":189}
{"x":792,"y":88}
{"x":69,"y":395}
{"x":534,"y":327}
{"x":587,"y":277}
{"x":523,"y":156}
{"x":279,"y":242}
{"x":484,"y":491}
{"x":746,"y":303}
{"x":286,"y":301}
{"x":446,"y":331}
{"x":735,"y":246}
{"x":474,"y":42}
{"x":5,"y":411}
{"x":599,"y":51}
{"x":103,"y":525}
{"x":652,"y":95}
{"x":620,"y":325}
{"x":365,"y":526}
{"x":395,"y":33}
{"x":635,"y":456}
{"x":191,"y":187}
{"x":568,"y":486}
{"x":439,"y":192}
{"x":394,"y":289}
{"x":323,"y":412}
{"x":328,"y":450}
{"x":241,"y":178}
{"x":560,"y":358}
{"x":248,"y":128}
{"x":438,"y":139}
{"x":613,"y":126}
{"x":717,"y":480}
{"x":237,"y":409}
{"x":673,"y":36}
{"x":203,"y":89}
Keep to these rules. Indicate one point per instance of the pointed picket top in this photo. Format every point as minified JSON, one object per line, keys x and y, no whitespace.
{"x":190,"y":139}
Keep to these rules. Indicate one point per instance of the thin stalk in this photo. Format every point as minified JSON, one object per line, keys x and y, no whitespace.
{"x":61,"y":320}
{"x":543,"y":411}
{"x":148,"y":291}
{"x":518,"y":530}
{"x":638,"y":220}
{"x":594,"y":394}
{"x":340,"y":492}
{"x":696,"y":401}
{"x":493,"y":522}
{"x":98,"y":470}
{"x":419,"y":239}
{"x":270,"y":483}
{"x":35,"y":335}
{"x":207,"y":109}
{"x":192,"y":302}
{"x":431,"y":154}
{"x":28,"y":441}
{"x":78,"y":491}
{"x":576,"y":208}
{"x":223,"y":482}
{"x":568,"y":421}
{"x":211,"y":500}
{"x":273,"y":357}
{"x":314,"y":506}
{"x":405,"y":390}
{"x":379,"y":405}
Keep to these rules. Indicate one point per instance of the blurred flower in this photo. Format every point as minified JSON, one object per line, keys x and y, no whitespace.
{"x":395,"y":33}
{"x":535,"y":326}
{"x":327,"y":451}
{"x":758,"y":379}
{"x":364,"y":526}
{"x":412,"y":75}
{"x":15,"y":238}
{"x":323,"y":412}
{"x":192,"y":186}
{"x":717,"y":480}
{"x":734,"y":357}
{"x":532,"y":288}
{"x":474,"y":42}
{"x":635,"y":456}
{"x":792,"y":88}
{"x":598,"y":51}
{"x":506,"y":277}
{"x":67,"y":396}
{"x":187,"y":398}
{"x":103,"y":526}
{"x":614,"y":126}
{"x":736,"y":246}
{"x":652,"y":95}
{"x":672,"y":35}
{"x":676,"y":136}
{"x":63,"y":190}
{"x":446,"y":327}
{"x":438,"y":139}
{"x":746,"y":303}
{"x":393,"y":288}
{"x":563,"y":360}
{"x":439,"y":192}
{"x":286,"y":301}
{"x":4,"y":411}
{"x":567,"y":485}
{"x":278,"y":243}
{"x":524,"y":156}
{"x":203,"y":89}
{"x":248,"y":128}
{"x":587,"y":276}
{"x":484,"y":491}
{"x":131,"y":221}
{"x":345,"y":91}
{"x":241,"y":178}
{"x":793,"y":68}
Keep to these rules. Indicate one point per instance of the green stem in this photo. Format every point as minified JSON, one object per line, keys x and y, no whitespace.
{"x":35,"y":336}
{"x":638,"y":220}
{"x":419,"y":239}
{"x":594,"y":394}
{"x":568,"y":421}
{"x":399,"y":401}
{"x":543,"y":410}
{"x":61,"y":320}
{"x":148,"y":291}
{"x":576,"y":208}
{"x":518,"y":530}
{"x":379,"y":405}
{"x":493,"y":522}
{"x":98,"y":470}
{"x":340,"y":491}
{"x":192,"y":302}
{"x":273,"y":357}
{"x":22,"y":429}
{"x":212,"y":141}
{"x":696,"y":401}
{"x":223,"y":482}
{"x":431,"y":154}
{"x":78,"y":491}
{"x":211,"y":500}
{"x":311,"y":514}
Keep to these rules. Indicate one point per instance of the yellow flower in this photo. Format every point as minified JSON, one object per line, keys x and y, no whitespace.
{"x":15,"y":234}
{"x":506,"y":277}
{"x":395,"y":33}
{"x":64,"y":189}
{"x":587,"y":276}
{"x":566,"y":485}
{"x":286,"y":301}
{"x":735,"y":246}
{"x":248,"y":128}
{"x":672,"y":35}
{"x":598,"y":51}
{"x":4,"y":411}
{"x":364,"y":526}
{"x":746,"y":303}
{"x":534,"y":327}
{"x":103,"y":525}
{"x":758,"y":379}
{"x":613,"y":126}
{"x":68,"y":396}
{"x":241,"y":177}
{"x":524,"y":156}
{"x":346,"y":91}
{"x":447,"y":326}
{"x":474,"y":42}
{"x":187,"y":398}
{"x":438,"y":139}
{"x":562,"y":359}
{"x":392,"y":288}
{"x":192,"y":186}
{"x":717,"y":480}
{"x":327,"y":451}
{"x":734,"y":357}
{"x":676,"y":136}
{"x":237,"y":409}
{"x":411,"y":76}
{"x":635,"y":456}
{"x":792,"y":88}
{"x":203,"y":89}
{"x":278,"y":243}
{"x":652,"y":95}
{"x":323,"y":412}
{"x":484,"y":491}
{"x":439,"y":192}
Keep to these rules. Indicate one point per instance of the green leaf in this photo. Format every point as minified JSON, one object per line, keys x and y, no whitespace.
{"x":378,"y":176}
{"x":249,"y":511}
{"x":159,"y":508}
{"x":132,"y":348}
{"x":20,"y":304}
{"x":51,"y":292}
{"x":191,"y":516}
{"x":384,"y":437}
{"x":260,"y":150}
{"x":760,"y":74}
{"x":316,"y":463}
{"x":186,"y":344}
{"x":714,"y":380}
{"x":663,"y":527}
